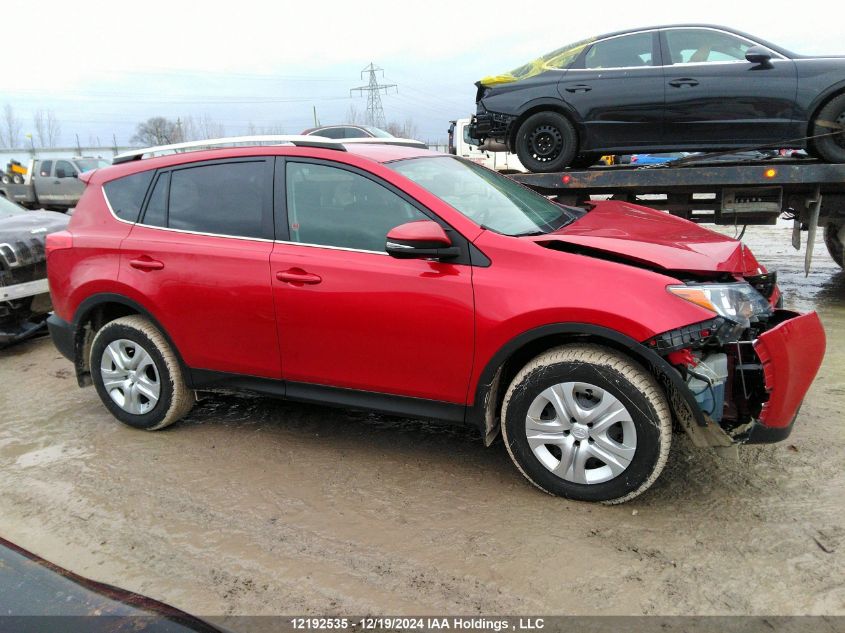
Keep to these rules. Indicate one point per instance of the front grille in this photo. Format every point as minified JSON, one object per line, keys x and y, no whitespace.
{"x":22,"y":261}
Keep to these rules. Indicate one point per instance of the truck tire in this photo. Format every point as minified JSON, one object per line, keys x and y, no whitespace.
{"x":830,"y":148}
{"x":588,"y":423}
{"x":137,"y":375}
{"x":546,"y":142}
{"x":833,"y":239}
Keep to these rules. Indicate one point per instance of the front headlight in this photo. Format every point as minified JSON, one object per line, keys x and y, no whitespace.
{"x":740,"y":302}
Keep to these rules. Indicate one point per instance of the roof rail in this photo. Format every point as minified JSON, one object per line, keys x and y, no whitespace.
{"x":261,"y":139}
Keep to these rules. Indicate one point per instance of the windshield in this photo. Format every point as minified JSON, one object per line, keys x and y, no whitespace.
{"x":87,"y":164}
{"x":489,"y":199}
{"x":378,"y":132}
{"x":9,"y":208}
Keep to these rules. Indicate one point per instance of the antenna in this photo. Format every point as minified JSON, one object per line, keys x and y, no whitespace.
{"x":375,"y":112}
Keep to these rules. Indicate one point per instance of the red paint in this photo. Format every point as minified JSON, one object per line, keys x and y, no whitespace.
{"x":420,"y":231}
{"x":789,"y":368}
{"x":657,"y":238}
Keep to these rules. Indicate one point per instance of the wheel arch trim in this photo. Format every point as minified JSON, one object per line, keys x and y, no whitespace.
{"x":487,"y":380}
{"x":83,"y":313}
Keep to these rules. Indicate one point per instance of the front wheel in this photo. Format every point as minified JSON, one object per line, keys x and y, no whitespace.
{"x":587,"y":423}
{"x":834,"y":239}
{"x":546,"y":142}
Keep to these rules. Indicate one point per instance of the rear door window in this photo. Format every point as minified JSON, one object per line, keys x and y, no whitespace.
{"x":126,"y":195}
{"x":64,"y":169}
{"x":622,"y":52}
{"x":222,"y":199}
{"x":46,"y":166}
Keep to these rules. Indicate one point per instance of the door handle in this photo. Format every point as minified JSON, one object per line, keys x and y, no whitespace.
{"x":683,"y":81}
{"x":298,"y":276}
{"x":579,"y":88}
{"x":146,"y":263}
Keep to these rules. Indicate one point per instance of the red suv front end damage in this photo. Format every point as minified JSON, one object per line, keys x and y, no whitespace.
{"x":749,"y":367}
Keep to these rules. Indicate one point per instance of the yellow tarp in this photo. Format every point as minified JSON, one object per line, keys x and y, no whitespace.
{"x":556,"y":60}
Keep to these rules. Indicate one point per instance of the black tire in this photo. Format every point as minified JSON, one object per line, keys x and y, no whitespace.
{"x":629,"y":384}
{"x":834,"y":243}
{"x":830,"y":148}
{"x":546,"y":142}
{"x":174,"y":399}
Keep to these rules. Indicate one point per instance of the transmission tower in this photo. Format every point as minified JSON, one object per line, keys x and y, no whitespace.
{"x":375,"y":113}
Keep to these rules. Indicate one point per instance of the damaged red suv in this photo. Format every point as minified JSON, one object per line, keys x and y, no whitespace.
{"x":415,"y":283}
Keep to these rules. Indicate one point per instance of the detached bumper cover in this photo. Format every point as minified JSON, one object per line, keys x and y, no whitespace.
{"x":791,"y":353}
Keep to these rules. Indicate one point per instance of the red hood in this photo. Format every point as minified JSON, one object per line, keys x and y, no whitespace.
{"x":656,"y":238}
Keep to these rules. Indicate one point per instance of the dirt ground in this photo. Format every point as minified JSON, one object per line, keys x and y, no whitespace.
{"x":255,"y":506}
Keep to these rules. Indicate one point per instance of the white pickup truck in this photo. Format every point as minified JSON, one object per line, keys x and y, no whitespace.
{"x":459,"y":145}
{"x":50,"y":183}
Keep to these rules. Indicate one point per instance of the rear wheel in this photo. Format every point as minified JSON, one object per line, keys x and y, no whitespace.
{"x":587,"y":423}
{"x":137,"y":375}
{"x":545,"y":142}
{"x":834,"y":234}
{"x":831,"y":148}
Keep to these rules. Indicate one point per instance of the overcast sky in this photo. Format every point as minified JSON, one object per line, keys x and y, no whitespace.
{"x":104,"y":66}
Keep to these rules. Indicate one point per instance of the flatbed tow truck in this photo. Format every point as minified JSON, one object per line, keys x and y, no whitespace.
{"x":715,"y":190}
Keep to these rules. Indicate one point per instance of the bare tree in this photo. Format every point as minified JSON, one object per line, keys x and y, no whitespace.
{"x":47,"y":128}
{"x":408,"y":129}
{"x":354,"y":115}
{"x":54,"y":129}
{"x":11,"y":127}
{"x":157,"y":130}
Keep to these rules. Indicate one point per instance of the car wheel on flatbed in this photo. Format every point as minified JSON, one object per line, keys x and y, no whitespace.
{"x":833,"y":239}
{"x":831,"y":148}
{"x":546,"y":142}
{"x":588,"y":423}
{"x":137,"y":374}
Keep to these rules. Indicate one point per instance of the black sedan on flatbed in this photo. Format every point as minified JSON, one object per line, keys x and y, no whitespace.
{"x":662,"y":89}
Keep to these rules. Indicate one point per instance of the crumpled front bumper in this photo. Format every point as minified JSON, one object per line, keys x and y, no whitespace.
{"x":791,"y":354}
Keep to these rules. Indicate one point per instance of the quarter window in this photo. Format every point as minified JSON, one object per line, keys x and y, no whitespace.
{"x":703,"y":45}
{"x":328,"y":206}
{"x":126,"y":195}
{"x":223,"y":199}
{"x":621,"y":52}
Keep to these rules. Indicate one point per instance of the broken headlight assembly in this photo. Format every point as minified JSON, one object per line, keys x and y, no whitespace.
{"x":739,"y":302}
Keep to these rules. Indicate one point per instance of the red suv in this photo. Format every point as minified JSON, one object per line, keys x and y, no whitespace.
{"x":416,"y":283}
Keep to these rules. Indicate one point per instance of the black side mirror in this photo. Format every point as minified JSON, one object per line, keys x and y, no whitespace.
{"x":759,"y":56}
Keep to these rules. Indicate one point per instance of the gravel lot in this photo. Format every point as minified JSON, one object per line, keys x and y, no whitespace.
{"x":254,"y":506}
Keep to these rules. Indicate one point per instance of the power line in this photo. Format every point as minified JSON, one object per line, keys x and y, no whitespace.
{"x":375,"y":111}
